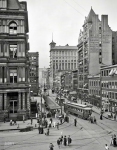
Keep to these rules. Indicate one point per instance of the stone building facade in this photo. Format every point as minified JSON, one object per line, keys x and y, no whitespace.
{"x":14,"y":63}
{"x":62,"y":58}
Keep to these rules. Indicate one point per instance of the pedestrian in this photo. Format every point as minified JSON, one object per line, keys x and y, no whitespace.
{"x":95,"y":120}
{"x":58,"y":142}
{"x":115,"y":116}
{"x":57,"y":125}
{"x":51,"y":146}
{"x":91,"y":119}
{"x":61,"y":120}
{"x":111,"y":115}
{"x":61,"y":139}
{"x":39,"y":129}
{"x":106,"y":147}
{"x":100,"y":116}
{"x":31,"y":121}
{"x":11,"y":123}
{"x":75,"y":122}
{"x":65,"y":141}
{"x":69,"y":140}
{"x":114,"y":141}
{"x":51,"y":120}
{"x":111,"y":140}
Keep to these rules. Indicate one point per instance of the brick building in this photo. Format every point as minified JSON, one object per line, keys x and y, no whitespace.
{"x":14,"y":63}
{"x":34,"y":73}
{"x":109,"y":86}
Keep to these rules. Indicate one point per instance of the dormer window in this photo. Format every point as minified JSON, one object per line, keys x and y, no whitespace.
{"x":13,"y":28}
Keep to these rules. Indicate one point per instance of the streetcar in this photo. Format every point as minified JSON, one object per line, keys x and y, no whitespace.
{"x":80,"y":110}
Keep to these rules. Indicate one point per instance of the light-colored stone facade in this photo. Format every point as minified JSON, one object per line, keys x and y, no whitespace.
{"x":62,"y":58}
{"x":94,"y":47}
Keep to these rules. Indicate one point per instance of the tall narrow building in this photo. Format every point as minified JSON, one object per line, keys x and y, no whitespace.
{"x":94,"y":47}
{"x":14,"y":63}
{"x":34,"y":73}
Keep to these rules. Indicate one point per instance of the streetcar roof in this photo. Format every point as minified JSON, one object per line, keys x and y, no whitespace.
{"x":86,"y":107}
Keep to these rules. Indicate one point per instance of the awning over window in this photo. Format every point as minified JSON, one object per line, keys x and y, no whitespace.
{"x":73,"y":92}
{"x":113,"y":71}
{"x":85,"y":85}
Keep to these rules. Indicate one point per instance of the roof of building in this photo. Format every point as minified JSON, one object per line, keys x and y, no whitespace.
{"x":64,"y":48}
{"x":90,"y":15}
{"x":52,"y":42}
{"x":13,"y":4}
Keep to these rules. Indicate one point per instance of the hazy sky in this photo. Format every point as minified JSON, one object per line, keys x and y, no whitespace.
{"x":63,"y":18}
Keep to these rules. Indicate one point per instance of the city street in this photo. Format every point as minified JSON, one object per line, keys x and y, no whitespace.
{"x":85,"y":136}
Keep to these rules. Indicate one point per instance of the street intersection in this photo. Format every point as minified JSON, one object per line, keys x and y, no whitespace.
{"x":86,"y":136}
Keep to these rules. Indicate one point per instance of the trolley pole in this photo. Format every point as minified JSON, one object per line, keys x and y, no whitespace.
{"x":60,"y":102}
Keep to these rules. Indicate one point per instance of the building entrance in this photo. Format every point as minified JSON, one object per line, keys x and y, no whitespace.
{"x":13,"y":104}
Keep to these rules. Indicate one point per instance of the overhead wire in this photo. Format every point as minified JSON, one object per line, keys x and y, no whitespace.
{"x":80,"y":5}
{"x":74,"y":8}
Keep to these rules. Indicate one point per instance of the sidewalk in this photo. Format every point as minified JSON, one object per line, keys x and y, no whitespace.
{"x":20,"y":125}
{"x":98,"y":110}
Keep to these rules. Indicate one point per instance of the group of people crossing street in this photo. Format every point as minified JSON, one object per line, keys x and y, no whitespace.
{"x":65,"y":141}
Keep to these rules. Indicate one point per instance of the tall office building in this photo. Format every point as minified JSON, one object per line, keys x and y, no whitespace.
{"x":62,"y":58}
{"x":14,"y":63}
{"x":94,"y":47}
{"x":34,"y":73}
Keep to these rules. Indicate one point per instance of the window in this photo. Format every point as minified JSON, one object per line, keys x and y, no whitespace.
{"x":13,"y":75}
{"x":100,"y":52}
{"x":100,"y":60}
{"x":13,"y":51}
{"x":13,"y":28}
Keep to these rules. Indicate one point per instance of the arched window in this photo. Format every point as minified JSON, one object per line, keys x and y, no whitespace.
{"x":13,"y":28}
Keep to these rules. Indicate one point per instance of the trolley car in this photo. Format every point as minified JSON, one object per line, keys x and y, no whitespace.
{"x":82,"y":111}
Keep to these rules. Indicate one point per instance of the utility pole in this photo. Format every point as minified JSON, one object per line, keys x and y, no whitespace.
{"x":60,"y":102}
{"x":41,"y":109}
{"x":100,"y":90}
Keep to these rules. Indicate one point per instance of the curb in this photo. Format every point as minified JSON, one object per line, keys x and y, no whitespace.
{"x":22,"y":128}
{"x":104,"y":116}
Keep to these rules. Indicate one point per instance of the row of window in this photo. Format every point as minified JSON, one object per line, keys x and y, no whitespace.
{"x":12,"y":50}
{"x":110,"y":85}
{"x":64,"y":66}
{"x":110,"y":95}
{"x":94,"y":92}
{"x":64,"y":60}
{"x":106,"y":72}
{"x":95,"y":83}
{"x":64,"y":57}
{"x":15,"y":75}
{"x":65,"y":52}
{"x":12,"y":28}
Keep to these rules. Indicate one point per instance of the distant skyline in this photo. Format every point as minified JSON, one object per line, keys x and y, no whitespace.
{"x":63,"y":18}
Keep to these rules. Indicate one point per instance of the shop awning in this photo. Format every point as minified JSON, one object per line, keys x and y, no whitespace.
{"x":73,"y":92}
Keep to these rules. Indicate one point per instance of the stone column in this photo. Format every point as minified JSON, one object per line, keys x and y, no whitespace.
{"x":19,"y":101}
{"x":23,"y":95}
{"x":1,"y":101}
{"x":5,"y":101}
